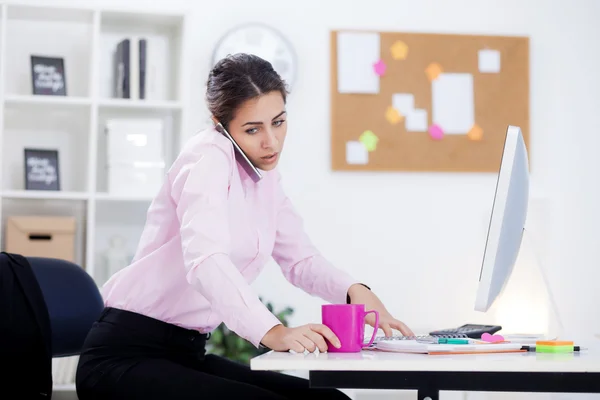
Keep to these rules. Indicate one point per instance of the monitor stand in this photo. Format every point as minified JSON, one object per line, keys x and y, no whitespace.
{"x":556,"y":327}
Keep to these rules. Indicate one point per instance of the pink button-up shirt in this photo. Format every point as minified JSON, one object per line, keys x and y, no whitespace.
{"x":209,"y":232}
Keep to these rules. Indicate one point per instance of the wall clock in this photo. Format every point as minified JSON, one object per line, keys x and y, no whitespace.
{"x":263,"y":41}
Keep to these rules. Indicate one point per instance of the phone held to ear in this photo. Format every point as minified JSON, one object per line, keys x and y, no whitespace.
{"x":240,"y":156}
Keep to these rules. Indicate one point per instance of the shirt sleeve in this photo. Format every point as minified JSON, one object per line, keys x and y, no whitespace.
{"x":300,"y":261}
{"x":200,"y":190}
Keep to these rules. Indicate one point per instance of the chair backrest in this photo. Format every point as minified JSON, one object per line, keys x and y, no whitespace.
{"x":73,"y":299}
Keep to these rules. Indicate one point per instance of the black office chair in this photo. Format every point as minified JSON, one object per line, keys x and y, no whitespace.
{"x":47,"y":307}
{"x":73,"y":300}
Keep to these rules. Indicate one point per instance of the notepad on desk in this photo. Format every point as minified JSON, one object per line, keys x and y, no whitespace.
{"x":414,"y":346}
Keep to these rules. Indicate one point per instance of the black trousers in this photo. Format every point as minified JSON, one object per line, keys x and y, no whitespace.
{"x":131,"y":356}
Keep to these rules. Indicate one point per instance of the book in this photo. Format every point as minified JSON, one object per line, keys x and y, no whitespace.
{"x":419,"y":347}
{"x":130,"y":68}
{"x":122,"y":65}
{"x":143,"y":43}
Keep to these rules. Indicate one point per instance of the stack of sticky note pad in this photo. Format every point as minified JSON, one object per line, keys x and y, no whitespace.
{"x":554,"y":346}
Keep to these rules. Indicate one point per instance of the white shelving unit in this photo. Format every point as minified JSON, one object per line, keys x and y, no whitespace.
{"x":86,"y":39}
{"x":74,"y":124}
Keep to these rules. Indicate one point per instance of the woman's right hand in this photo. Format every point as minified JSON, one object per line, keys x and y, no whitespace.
{"x":306,"y":337}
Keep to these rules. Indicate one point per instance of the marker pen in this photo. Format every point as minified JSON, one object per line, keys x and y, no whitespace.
{"x":533,"y":348}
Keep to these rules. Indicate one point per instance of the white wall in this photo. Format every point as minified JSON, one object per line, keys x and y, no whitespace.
{"x":397,"y":228}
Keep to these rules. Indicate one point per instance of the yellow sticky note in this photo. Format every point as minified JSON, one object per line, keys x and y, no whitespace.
{"x":399,"y":50}
{"x":369,"y":139}
{"x":433,"y":70}
{"x":393,"y":116}
{"x":476,"y":133}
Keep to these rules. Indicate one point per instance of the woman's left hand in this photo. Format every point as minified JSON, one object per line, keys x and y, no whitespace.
{"x":361,"y":295}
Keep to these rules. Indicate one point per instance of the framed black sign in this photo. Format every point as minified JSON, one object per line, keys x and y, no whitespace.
{"x":48,"y":76}
{"x":41,"y":169}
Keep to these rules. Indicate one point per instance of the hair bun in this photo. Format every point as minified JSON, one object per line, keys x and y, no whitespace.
{"x":238,"y":78}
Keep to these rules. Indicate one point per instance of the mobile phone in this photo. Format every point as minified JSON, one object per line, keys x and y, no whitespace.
{"x":240,"y":156}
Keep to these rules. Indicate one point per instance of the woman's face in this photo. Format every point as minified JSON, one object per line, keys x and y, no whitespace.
{"x":259,"y":128}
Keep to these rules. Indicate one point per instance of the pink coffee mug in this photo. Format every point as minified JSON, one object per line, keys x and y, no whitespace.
{"x":347,"y":321}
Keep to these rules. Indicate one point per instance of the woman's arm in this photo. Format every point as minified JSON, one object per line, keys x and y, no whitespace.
{"x":200,"y":190}
{"x":301,"y":262}
{"x":307,"y":269}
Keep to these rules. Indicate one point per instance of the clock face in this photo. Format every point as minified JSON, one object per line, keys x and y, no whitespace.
{"x":262,"y":41}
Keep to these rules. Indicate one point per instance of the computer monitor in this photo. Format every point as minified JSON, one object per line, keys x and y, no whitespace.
{"x":507,"y":221}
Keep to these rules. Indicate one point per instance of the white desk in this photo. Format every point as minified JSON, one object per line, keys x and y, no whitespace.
{"x":428,"y":374}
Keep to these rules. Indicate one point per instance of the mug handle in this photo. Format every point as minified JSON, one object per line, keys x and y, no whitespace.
{"x":374,"y":328}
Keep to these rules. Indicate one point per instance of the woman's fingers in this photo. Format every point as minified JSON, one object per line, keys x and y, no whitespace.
{"x":317,"y":339}
{"x":326,"y":333}
{"x":401,"y":326}
{"x":297,"y":347}
{"x":306,"y":343}
{"x":387,"y":330}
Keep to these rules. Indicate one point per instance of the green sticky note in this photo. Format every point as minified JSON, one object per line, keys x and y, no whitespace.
{"x":369,"y":139}
{"x":553,"y":349}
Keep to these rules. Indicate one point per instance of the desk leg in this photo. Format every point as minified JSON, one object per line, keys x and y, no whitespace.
{"x":428,"y":394}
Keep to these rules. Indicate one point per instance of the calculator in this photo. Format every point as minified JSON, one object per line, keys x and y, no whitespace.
{"x":473,"y":331}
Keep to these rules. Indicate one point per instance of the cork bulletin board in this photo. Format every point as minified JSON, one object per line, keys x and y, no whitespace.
{"x":425,"y":102}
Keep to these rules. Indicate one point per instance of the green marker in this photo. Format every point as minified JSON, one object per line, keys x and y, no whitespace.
{"x":453,"y":341}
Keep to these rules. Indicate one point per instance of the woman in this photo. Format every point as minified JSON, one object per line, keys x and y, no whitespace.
{"x":209,"y":232}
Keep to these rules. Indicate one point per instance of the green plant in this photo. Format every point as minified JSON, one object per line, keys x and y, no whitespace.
{"x":224,"y":342}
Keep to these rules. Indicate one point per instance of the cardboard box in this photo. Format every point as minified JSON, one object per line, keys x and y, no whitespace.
{"x":37,"y":236}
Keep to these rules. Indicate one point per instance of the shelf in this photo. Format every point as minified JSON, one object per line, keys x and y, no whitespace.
{"x":85,"y":38}
{"x":52,"y":204}
{"x":124,"y":223}
{"x":43,"y":195}
{"x":55,"y":32}
{"x":139,"y":104}
{"x":118,"y":198}
{"x":47,"y":101}
{"x":49,"y":14}
{"x":154,"y":21}
{"x":63,"y":128}
{"x":107,"y":104}
{"x":163,"y":34}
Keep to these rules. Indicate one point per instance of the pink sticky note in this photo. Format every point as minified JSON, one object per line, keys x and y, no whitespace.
{"x":379,"y":67}
{"x":486,"y":337}
{"x":436,"y":132}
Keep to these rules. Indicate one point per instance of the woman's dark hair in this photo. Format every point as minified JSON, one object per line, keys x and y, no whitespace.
{"x":236,"y":79}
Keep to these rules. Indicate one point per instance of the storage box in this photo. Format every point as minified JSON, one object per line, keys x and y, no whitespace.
{"x":131,"y":140}
{"x":135,"y":180}
{"x":135,"y":162}
{"x":37,"y":236}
